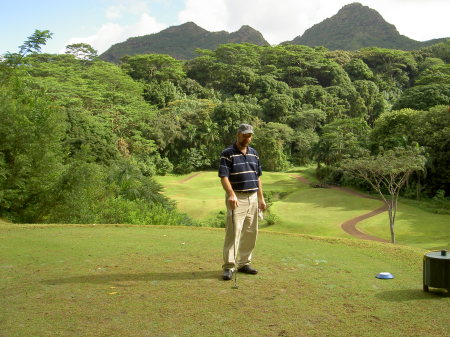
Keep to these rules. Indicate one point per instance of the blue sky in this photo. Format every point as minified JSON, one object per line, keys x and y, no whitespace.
{"x":102,"y":23}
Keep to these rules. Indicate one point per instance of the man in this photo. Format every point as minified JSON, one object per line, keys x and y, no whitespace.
{"x":240,"y":172}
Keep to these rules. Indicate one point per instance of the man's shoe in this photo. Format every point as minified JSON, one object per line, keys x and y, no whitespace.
{"x":248,"y":270}
{"x":227,"y":274}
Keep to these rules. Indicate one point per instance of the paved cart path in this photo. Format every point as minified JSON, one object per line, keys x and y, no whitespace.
{"x":349,"y":226}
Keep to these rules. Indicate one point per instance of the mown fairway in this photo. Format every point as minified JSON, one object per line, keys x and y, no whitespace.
{"x":199,"y":195}
{"x":421,"y":228}
{"x":165,"y":281}
{"x":299,"y":208}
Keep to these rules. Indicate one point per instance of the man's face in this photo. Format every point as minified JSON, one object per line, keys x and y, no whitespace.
{"x":244,"y":139}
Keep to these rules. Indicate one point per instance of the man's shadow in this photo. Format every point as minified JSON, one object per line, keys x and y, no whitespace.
{"x":145,"y":277}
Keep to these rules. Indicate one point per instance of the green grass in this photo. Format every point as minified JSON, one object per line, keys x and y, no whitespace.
{"x":299,"y":208}
{"x":319,"y":211}
{"x":165,"y":281}
{"x":202,"y":196}
{"x":199,"y":197}
{"x":413,"y":225}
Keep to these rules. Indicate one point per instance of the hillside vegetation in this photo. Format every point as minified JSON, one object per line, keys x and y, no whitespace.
{"x":82,"y":139}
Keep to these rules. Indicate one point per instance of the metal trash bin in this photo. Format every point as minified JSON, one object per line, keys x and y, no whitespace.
{"x":436,"y":270}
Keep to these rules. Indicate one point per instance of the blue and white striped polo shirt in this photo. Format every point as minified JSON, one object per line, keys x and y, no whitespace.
{"x":242,"y":170}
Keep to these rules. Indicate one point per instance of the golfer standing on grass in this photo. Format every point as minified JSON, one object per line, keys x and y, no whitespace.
{"x":240,"y":172}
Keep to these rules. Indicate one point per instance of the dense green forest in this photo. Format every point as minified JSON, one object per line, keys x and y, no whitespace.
{"x":81,"y":139}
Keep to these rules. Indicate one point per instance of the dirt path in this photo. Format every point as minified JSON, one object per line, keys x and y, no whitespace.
{"x":349,"y":226}
{"x":189,"y":178}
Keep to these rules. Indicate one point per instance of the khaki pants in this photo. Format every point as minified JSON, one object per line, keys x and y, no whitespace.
{"x":243,"y":236}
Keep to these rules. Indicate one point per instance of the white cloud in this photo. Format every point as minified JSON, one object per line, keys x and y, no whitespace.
{"x":113,"y":12}
{"x":209,"y":14}
{"x":111,"y":33}
{"x":128,"y":7}
{"x":281,"y":21}
{"x":417,"y":19}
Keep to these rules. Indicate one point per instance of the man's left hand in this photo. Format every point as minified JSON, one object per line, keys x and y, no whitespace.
{"x":262,"y":205}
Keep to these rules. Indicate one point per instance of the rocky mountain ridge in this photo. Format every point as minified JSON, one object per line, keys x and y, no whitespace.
{"x":354,"y":27}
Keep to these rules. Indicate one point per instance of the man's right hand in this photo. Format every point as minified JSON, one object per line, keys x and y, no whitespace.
{"x":232,"y":201}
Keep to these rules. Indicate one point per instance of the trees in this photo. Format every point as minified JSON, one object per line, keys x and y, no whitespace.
{"x":154,"y":114}
{"x":82,"y":51}
{"x":67,"y":126}
{"x":273,"y":141}
{"x":394,"y":70}
{"x":303,"y":143}
{"x":394,"y":66}
{"x":229,"y":114}
{"x":372,"y":98}
{"x":341,"y":139}
{"x":31,"y":153}
{"x":433,"y":133}
{"x":237,"y":79}
{"x":186,"y":134}
{"x":278,"y":107}
{"x":395,"y":129}
{"x":32,"y":45}
{"x":423,"y":97}
{"x":358,"y":70}
{"x":435,"y":74}
{"x":387,"y":173}
{"x":430,"y":130}
{"x":153,"y":67}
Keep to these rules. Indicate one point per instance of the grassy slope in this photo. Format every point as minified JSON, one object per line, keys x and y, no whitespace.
{"x":312,"y":211}
{"x":319,"y":212}
{"x":164,"y":281}
{"x":199,"y":197}
{"x":414,"y":226}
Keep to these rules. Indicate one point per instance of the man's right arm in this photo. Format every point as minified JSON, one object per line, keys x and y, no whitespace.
{"x":231,"y":196}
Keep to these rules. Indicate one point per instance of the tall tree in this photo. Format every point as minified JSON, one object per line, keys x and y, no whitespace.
{"x":32,"y":45}
{"x":273,"y":141}
{"x":387,"y":173}
{"x":82,"y":51}
{"x":341,"y":139}
{"x":31,"y":153}
{"x":373,"y":99}
{"x":423,"y":97}
{"x":153,"y":67}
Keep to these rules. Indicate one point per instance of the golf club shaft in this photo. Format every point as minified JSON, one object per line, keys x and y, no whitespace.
{"x":234,"y":247}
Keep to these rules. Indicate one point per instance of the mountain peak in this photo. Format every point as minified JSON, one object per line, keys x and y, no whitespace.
{"x":248,"y":34}
{"x":246,"y":28}
{"x":353,"y":27}
{"x":187,"y":26}
{"x":181,"y":41}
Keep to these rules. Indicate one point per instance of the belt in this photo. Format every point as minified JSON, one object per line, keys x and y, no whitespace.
{"x":245,"y":192}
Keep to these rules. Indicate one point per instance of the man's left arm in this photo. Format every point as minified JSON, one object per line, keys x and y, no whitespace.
{"x":261,"y":201}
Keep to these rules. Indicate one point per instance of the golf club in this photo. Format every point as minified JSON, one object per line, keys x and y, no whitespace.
{"x":234,"y":246}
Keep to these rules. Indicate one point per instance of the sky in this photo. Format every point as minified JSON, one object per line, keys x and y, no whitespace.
{"x":102,"y":23}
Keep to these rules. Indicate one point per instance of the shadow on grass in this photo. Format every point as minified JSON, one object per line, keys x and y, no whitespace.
{"x":145,"y":277}
{"x":412,"y":295}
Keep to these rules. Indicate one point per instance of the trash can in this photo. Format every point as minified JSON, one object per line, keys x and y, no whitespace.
{"x":436,"y":270}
